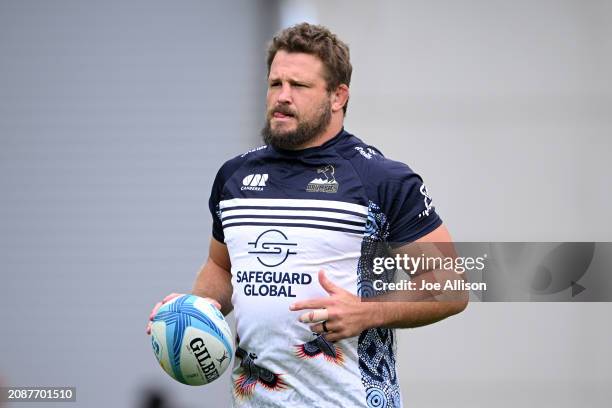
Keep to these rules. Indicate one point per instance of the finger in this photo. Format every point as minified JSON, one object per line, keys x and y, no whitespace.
{"x":155,"y":309}
{"x":316,"y":315}
{"x":318,"y":328}
{"x":334,"y":336}
{"x":329,"y":286}
{"x":316,"y":303}
{"x":170,"y":297}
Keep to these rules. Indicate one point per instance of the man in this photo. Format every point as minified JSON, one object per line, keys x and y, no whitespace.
{"x":296,"y":226}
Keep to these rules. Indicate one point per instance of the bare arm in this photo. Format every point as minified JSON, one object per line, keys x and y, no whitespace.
{"x":420,"y":308}
{"x":214,"y":280}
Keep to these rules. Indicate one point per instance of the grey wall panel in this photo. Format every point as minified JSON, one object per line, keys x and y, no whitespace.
{"x":505,"y":108}
{"x":114,"y":118}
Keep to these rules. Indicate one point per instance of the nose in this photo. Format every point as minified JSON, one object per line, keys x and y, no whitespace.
{"x":284,"y":96}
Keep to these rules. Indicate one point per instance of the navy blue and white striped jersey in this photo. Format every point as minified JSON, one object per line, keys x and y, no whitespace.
{"x":285,"y":215}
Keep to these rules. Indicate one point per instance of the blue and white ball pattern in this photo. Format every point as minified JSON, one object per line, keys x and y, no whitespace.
{"x":191,"y":340}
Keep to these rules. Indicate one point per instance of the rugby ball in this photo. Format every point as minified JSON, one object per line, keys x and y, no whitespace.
{"x":191,"y":340}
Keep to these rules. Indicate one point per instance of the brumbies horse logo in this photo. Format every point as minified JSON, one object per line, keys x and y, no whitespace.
{"x":329,"y":172}
{"x":325,"y":184}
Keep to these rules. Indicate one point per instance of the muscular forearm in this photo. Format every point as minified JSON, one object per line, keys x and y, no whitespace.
{"x":214,"y":282}
{"x":411,"y":314}
{"x":414,"y":308}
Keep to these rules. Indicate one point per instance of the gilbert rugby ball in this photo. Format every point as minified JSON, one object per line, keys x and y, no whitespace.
{"x":191,"y":340}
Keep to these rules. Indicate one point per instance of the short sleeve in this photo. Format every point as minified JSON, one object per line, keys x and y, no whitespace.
{"x":213,"y":205}
{"x":409,"y":207}
{"x":219,"y":191}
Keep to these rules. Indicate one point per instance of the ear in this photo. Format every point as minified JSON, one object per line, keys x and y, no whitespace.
{"x":339,"y":97}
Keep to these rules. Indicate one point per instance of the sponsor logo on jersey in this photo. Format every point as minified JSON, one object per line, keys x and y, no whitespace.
{"x":272,"y":248}
{"x":326,"y":183}
{"x":254,"y":182}
{"x":368,"y":152}
{"x":254,"y":150}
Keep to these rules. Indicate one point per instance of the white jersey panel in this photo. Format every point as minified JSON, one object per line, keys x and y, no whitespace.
{"x":274,"y":264}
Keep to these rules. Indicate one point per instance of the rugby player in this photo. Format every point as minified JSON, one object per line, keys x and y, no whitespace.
{"x":296,"y":225}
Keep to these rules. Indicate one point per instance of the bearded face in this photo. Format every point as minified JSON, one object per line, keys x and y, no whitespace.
{"x":295,"y":129}
{"x":298,"y":102}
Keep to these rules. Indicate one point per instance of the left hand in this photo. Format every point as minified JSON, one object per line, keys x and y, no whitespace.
{"x":344,"y":313}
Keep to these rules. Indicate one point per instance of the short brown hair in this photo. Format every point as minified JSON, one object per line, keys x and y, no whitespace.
{"x":320,"y":42}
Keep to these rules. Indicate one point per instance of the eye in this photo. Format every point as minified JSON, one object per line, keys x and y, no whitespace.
{"x":274,"y":84}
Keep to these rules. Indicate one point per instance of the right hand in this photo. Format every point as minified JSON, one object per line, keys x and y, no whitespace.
{"x":169,"y":298}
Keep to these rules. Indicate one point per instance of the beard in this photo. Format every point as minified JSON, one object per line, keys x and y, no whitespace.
{"x":306,"y":130}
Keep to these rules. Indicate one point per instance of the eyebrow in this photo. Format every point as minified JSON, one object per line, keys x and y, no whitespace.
{"x":292,"y":81}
